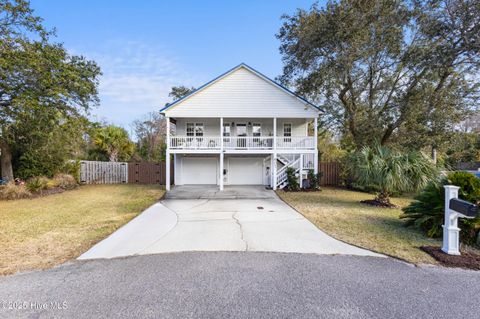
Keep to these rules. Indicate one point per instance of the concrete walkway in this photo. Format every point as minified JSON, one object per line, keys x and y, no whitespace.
{"x":237,"y":219}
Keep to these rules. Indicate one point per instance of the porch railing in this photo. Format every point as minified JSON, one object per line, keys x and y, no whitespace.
{"x":241,"y":142}
{"x":248,"y":142}
{"x":295,"y":142}
{"x":195,"y":143}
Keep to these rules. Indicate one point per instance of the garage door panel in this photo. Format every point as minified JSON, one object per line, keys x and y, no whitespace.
{"x":245,"y":171}
{"x":199,"y":171}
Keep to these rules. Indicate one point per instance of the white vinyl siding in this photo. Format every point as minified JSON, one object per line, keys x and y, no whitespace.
{"x":244,"y":94}
{"x":211,"y":126}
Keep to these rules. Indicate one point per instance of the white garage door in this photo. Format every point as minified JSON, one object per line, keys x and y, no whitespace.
{"x":245,"y":171}
{"x":199,"y":170}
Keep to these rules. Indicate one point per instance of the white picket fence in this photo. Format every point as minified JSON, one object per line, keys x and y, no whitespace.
{"x":96,"y":172}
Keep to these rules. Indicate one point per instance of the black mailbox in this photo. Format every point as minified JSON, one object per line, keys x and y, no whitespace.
{"x":463,"y":207}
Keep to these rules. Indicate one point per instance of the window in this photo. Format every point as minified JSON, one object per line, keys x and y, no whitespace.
{"x":257,"y":129}
{"x":198,"y":129}
{"x":241,"y":129}
{"x":226,"y":130}
{"x":194,"y":129}
{"x":287,"y":132}
{"x":190,"y":129}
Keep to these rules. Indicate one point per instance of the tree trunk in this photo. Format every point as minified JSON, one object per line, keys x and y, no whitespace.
{"x":434,"y":154}
{"x":6,"y":161}
{"x":384,"y":198}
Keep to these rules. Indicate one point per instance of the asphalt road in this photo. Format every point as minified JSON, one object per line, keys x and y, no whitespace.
{"x":242,"y":285}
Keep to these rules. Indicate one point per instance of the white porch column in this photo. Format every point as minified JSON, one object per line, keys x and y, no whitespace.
{"x":167,"y":158}
{"x":274,"y":134}
{"x":221,"y":171}
{"x":274,"y":155}
{"x":315,"y":141}
{"x":274,"y":171}
{"x":220,"y":181}
{"x":300,"y":171}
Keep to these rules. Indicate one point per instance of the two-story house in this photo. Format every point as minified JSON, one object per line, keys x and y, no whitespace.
{"x":241,"y":128}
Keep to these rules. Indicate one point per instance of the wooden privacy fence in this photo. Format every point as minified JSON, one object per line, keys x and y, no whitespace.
{"x":148,"y":173}
{"x":96,"y":172}
{"x":331,"y":173}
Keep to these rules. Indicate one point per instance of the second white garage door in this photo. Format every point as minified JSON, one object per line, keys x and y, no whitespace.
{"x":245,"y":171}
{"x":199,"y":170}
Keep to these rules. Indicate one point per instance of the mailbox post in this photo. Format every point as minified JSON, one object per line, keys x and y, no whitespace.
{"x":455,"y":208}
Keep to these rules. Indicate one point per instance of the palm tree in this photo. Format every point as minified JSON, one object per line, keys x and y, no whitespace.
{"x":388,"y":171}
{"x":114,"y":141}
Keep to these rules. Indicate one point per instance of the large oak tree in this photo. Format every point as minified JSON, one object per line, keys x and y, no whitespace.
{"x":386,"y":70}
{"x":42,"y":86}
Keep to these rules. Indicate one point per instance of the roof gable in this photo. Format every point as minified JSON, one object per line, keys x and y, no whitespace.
{"x":241,"y":92}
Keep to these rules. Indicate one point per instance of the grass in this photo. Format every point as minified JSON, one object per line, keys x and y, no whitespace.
{"x":339,"y":213}
{"x":42,"y":232}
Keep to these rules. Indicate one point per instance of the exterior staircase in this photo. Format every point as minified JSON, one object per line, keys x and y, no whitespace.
{"x":301,"y":163}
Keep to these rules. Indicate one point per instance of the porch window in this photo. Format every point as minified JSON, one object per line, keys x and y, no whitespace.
{"x":226,"y":134}
{"x":287,"y":132}
{"x":199,"y":129}
{"x":242,"y":129}
{"x":256,"y":133}
{"x":194,"y":133}
{"x":257,"y":129}
{"x":190,"y":129}
{"x":241,"y":132}
{"x":226,"y":130}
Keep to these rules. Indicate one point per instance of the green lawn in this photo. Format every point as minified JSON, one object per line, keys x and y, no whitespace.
{"x":339,"y":213}
{"x":42,"y":232}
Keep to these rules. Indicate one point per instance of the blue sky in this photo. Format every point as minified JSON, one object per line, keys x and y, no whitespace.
{"x":146,"y":47}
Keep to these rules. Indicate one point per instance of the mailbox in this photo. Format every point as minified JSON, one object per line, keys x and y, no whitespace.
{"x":463,"y":207}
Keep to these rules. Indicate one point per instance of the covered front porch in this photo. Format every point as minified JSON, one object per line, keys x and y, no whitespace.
{"x":241,"y":151}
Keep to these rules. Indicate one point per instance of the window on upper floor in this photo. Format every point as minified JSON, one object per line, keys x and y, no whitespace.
{"x":257,"y":129}
{"x":287,"y":129}
{"x":241,"y":129}
{"x":226,"y":130}
{"x":194,"y":129}
{"x":198,"y":129}
{"x":287,"y":132}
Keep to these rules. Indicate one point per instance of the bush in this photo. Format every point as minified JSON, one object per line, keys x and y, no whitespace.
{"x":388,"y":171}
{"x":65,"y":181}
{"x":314,"y":179}
{"x":12,"y":191}
{"x":292,"y":180}
{"x":427,"y":211}
{"x":37,"y":184}
{"x":72,"y":168}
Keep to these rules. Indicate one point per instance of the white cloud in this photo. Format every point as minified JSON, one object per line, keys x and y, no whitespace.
{"x":137,"y":78}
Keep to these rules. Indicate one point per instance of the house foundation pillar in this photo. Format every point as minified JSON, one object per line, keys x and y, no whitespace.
{"x":220,"y":173}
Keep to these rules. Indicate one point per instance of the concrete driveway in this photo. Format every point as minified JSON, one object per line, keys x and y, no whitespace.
{"x":201,"y":218}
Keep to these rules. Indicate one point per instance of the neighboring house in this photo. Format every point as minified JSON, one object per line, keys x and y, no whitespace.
{"x":241,"y":128}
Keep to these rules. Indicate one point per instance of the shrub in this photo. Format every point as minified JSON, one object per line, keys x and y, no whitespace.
{"x":65,"y":181}
{"x":72,"y":168}
{"x":37,"y":184}
{"x":314,"y":179}
{"x":427,"y":210}
{"x":292,"y":180}
{"x":12,"y":191}
{"x":388,"y":172}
